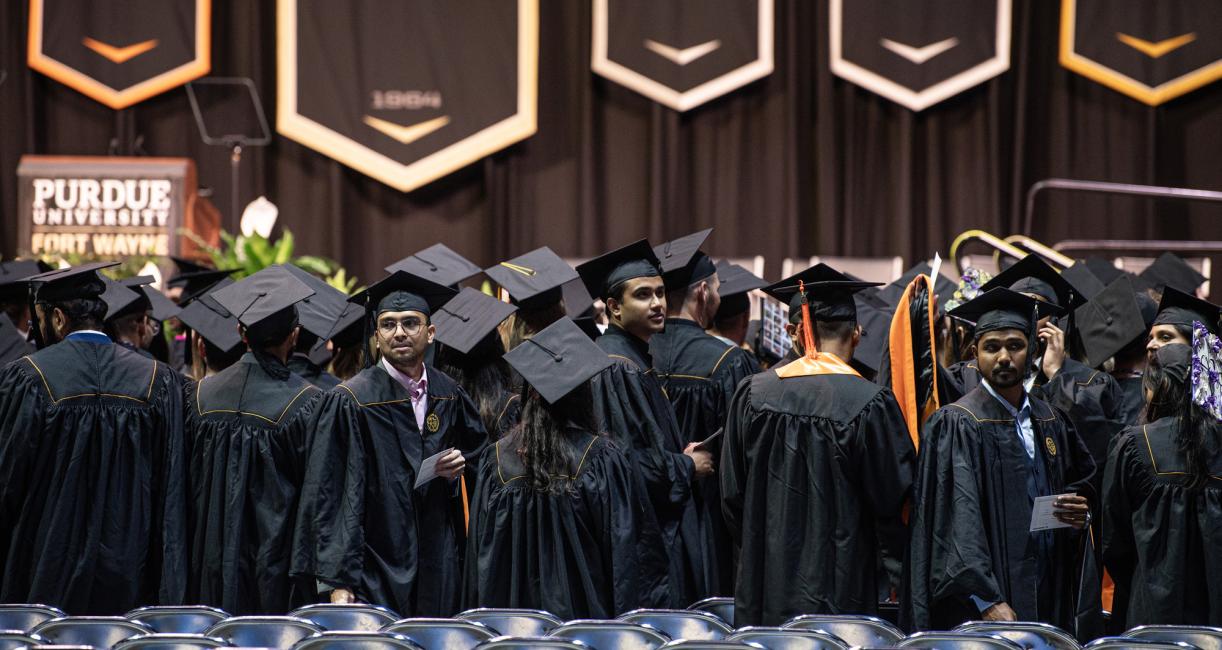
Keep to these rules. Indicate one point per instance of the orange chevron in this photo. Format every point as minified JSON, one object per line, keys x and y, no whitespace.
{"x":1156,"y":50}
{"x":119,"y":54}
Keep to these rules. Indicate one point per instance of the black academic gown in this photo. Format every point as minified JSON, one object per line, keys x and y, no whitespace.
{"x":632,"y":409}
{"x":1162,"y":542}
{"x":814,"y":473}
{"x":300,"y":365}
{"x":699,"y":374}
{"x":570,"y":551}
{"x":361,"y":525}
{"x":509,"y":412}
{"x":971,"y":518}
{"x":13,"y":344}
{"x":92,"y":496}
{"x":1133,"y":399}
{"x":1091,"y":398}
{"x":246,"y":433}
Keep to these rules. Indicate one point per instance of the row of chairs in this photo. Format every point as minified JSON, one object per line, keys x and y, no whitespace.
{"x":323,"y":626}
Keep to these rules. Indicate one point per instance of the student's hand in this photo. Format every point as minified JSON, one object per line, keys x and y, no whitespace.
{"x":1054,"y":349}
{"x":451,"y":465}
{"x":1073,"y":510}
{"x":702,"y":459}
{"x":342,"y":597}
{"x":1000,"y":612}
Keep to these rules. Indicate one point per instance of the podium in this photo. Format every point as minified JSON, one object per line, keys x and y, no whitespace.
{"x":109,"y":207}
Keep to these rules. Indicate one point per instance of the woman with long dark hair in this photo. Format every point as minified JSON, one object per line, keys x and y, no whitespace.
{"x":469,"y":350}
{"x":1162,"y":509}
{"x":553,"y":521}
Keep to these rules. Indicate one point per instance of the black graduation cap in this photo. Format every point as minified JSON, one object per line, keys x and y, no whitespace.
{"x":737,"y":283}
{"x":1182,"y":308}
{"x":318,"y":312}
{"x":682,"y":262}
{"x":558,"y":359}
{"x":468,"y":318}
{"x":348,"y":329}
{"x":71,"y":283}
{"x":875,"y":324}
{"x":1032,"y":275}
{"x":156,"y":303}
{"x":830,"y":293}
{"x":403,"y":291}
{"x":577,"y":301}
{"x":122,"y":299}
{"x":198,"y":284}
{"x":262,"y":296}
{"x":533,"y":280}
{"x":13,"y":273}
{"x":943,"y":287}
{"x":1170,"y":270}
{"x":1109,"y":321}
{"x":1085,"y":280}
{"x":438,"y":263}
{"x":186,"y":267}
{"x":609,"y":270}
{"x":1104,"y":270}
{"x":589,"y":326}
{"x":213,"y":322}
{"x":1001,"y":308}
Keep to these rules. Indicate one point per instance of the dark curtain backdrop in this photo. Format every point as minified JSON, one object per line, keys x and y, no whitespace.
{"x":798,"y":163}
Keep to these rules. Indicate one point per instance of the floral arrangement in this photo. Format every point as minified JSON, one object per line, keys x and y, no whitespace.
{"x":969,"y":287}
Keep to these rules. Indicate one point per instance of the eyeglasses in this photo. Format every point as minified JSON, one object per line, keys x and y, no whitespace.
{"x":411,"y":326}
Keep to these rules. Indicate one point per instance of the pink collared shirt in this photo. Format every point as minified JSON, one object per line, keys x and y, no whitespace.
{"x":419,"y":391}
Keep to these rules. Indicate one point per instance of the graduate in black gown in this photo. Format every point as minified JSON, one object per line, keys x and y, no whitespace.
{"x":364,"y":531}
{"x":15,"y":305}
{"x":318,"y":314}
{"x":470,"y":351}
{"x":1163,"y":502}
{"x":1130,"y":362}
{"x":540,"y":284}
{"x":131,"y":320}
{"x":816,"y":465}
{"x":733,"y":317}
{"x":1177,"y":311}
{"x":1092,"y":398}
{"x":554,"y":520}
{"x":92,"y":501}
{"x":699,"y":374}
{"x":1111,"y":326}
{"x":983,"y":461}
{"x":632,"y":409}
{"x":213,"y":343}
{"x":246,"y":429}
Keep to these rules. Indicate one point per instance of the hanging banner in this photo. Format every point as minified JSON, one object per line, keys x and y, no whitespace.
{"x":407,"y":92}
{"x":682,"y":53}
{"x":917,"y":53}
{"x":120,"y":52}
{"x":1151,"y":51}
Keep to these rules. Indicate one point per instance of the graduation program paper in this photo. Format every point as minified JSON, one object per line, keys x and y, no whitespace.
{"x":428,"y":467}
{"x":1043,"y":513}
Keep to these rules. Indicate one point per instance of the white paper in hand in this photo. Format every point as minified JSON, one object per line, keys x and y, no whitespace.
{"x":428,"y":467}
{"x":1043,"y":513}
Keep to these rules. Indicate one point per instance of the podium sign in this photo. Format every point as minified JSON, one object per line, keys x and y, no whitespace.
{"x":104,"y":206}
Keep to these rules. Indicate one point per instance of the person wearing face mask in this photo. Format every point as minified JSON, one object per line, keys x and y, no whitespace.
{"x":630,"y":405}
{"x":365,"y":531}
{"x":699,"y":373}
{"x":984,"y":461}
{"x":92,"y":454}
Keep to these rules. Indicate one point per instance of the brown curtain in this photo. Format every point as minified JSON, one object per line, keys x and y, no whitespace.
{"x":799,"y":163}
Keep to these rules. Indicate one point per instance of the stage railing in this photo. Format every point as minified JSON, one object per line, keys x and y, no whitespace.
{"x":1118,"y":189}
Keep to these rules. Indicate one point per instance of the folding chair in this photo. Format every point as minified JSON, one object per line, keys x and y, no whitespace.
{"x":97,"y":631}
{"x":513,"y":622}
{"x":13,"y":639}
{"x":531,"y":643}
{"x":705,"y":644}
{"x":191,"y":619}
{"x":1127,"y":643}
{"x":619,"y":635}
{"x":1203,"y":637}
{"x":720,"y":606}
{"x":447,"y":633}
{"x":347,"y":618}
{"x":356,"y":641}
{"x":27,"y":617}
{"x":680,"y":623}
{"x":1033,"y":636}
{"x":864,"y":631}
{"x":170,"y":641}
{"x":957,"y":641}
{"x":788,"y":638}
{"x":264,"y":631}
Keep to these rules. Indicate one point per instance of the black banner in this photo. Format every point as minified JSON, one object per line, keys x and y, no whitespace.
{"x":121,"y":52}
{"x":407,"y":91}
{"x":919,"y":52}
{"x":1150,"y":50}
{"x":682,"y":53}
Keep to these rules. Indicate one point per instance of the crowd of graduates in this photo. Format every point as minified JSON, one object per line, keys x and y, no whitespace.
{"x":615,"y":436}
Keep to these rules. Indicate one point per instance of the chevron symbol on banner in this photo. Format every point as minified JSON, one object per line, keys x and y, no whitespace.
{"x":1156,"y":50}
{"x":919,"y":55}
{"x":406,"y":134}
{"x":119,"y":54}
{"x":685,"y":55}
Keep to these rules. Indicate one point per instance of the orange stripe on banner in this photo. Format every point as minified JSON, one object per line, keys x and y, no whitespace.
{"x":466,"y":512}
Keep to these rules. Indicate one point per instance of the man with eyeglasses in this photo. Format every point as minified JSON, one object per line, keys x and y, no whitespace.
{"x":366,"y":531}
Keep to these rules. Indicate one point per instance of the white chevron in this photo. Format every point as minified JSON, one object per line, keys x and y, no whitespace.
{"x":919,"y":55}
{"x":684,"y":56}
